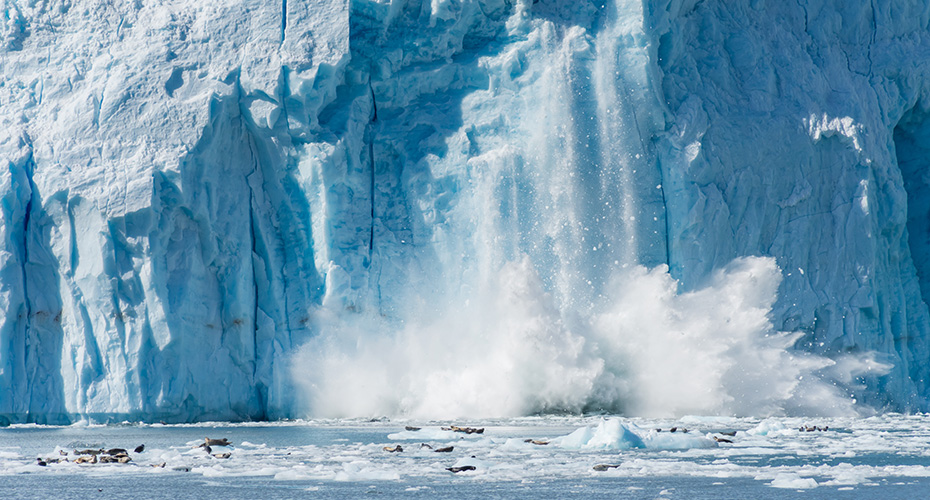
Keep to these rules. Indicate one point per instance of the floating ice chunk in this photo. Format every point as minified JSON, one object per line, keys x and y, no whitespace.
{"x":225,"y":471}
{"x":303,"y":473}
{"x":793,"y":481}
{"x":434,"y":434}
{"x":770,"y":428}
{"x":847,"y":474}
{"x":610,"y":434}
{"x":707,"y":419}
{"x":677,"y":441}
{"x":361,"y":470}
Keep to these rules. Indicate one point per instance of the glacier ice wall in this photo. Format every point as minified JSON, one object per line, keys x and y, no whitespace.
{"x":795,"y":137}
{"x":191,"y":190}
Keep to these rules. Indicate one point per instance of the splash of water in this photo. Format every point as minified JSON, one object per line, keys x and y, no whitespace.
{"x":506,"y":351}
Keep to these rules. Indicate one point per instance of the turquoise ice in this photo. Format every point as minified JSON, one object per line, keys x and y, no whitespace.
{"x":193,"y":192}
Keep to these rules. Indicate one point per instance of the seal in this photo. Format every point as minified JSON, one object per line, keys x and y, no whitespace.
{"x":119,"y":458}
{"x":395,"y":449}
{"x":603,"y":467}
{"x":456,"y":470}
{"x":216,"y":442}
{"x":447,"y":449}
{"x":139,"y":449}
{"x":466,"y":430}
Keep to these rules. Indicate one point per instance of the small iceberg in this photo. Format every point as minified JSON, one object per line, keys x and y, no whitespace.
{"x":610,"y":434}
{"x":613,"y":434}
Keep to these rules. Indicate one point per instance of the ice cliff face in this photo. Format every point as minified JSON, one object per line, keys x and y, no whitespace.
{"x":191,"y":190}
{"x":801,"y":132}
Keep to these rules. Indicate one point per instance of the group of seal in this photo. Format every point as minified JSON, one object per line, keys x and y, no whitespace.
{"x":444,"y":449}
{"x":805,"y":428}
{"x":466,"y":430}
{"x":121,"y":455}
{"x":209,"y":442}
{"x":724,"y":440}
{"x":474,"y":430}
{"x":88,"y":456}
{"x":398,"y":448}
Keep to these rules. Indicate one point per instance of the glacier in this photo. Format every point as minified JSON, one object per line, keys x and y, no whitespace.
{"x":193,"y":192}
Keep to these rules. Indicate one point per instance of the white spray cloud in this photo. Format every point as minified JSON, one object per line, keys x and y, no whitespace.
{"x":507,"y":350}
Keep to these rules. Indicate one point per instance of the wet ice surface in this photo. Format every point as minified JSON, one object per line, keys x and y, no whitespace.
{"x":878,"y":457}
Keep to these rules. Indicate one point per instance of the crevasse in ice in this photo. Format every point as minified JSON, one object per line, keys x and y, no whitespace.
{"x":191,"y":191}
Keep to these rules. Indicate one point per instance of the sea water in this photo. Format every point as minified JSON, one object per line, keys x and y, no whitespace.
{"x":884,"y":457}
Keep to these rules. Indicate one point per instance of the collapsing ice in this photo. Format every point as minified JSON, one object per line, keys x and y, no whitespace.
{"x":477,"y":207}
{"x":646,"y":349}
